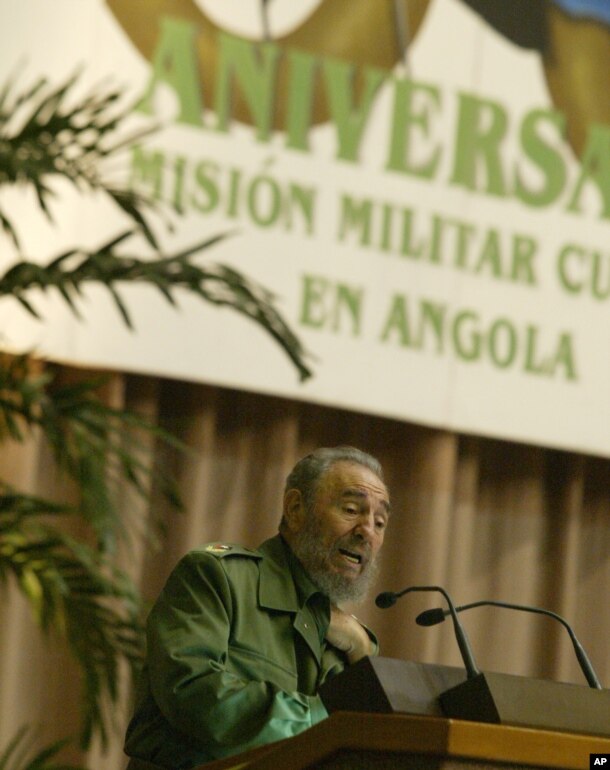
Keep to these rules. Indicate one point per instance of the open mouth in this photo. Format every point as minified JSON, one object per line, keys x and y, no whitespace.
{"x":353,"y":558}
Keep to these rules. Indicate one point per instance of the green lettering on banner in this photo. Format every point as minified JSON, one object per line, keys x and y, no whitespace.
{"x":502,"y":343}
{"x":204,"y":186}
{"x":600,"y":277}
{"x":300,"y":99}
{"x":433,"y":317}
{"x":348,"y":305}
{"x":462,"y":333}
{"x":405,"y":119}
{"x":397,"y":321}
{"x":147,"y":170}
{"x":595,"y":166}
{"x":179,"y":179}
{"x":580,"y":269}
{"x":264,"y":200}
{"x":300,"y":200}
{"x":387,"y":219}
{"x":206,"y":182}
{"x":547,"y":159}
{"x":234,"y":193}
{"x":563,"y":357}
{"x":466,"y":336}
{"x":255,"y":69}
{"x":568,"y":256}
{"x":350,"y":121}
{"x":524,"y":251}
{"x":465,"y":232}
{"x":334,"y":307}
{"x":355,"y":215}
{"x":313,"y":311}
{"x":538,"y":178}
{"x":413,"y":247}
{"x":490,"y":259}
{"x":482,"y":126}
{"x":437,"y":240}
{"x":175,"y":64}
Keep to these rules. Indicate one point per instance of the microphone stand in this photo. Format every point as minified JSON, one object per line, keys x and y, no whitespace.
{"x":388,"y":598}
{"x":481,"y":696}
{"x":432,"y":617}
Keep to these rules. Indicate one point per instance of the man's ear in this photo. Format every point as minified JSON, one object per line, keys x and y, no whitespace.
{"x":294,"y":510}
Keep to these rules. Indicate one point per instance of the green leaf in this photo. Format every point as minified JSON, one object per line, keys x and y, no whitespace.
{"x":75,"y":592}
{"x":219,"y":284}
{"x":15,"y":755}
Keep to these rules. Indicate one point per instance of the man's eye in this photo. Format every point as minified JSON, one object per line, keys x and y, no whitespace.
{"x":350,"y":509}
{"x":380,"y":523}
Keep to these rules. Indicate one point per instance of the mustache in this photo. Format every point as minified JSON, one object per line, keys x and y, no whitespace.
{"x":355,"y":544}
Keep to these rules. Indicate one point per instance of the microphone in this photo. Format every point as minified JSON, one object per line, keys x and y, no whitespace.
{"x":438,"y":615}
{"x":389,"y":598}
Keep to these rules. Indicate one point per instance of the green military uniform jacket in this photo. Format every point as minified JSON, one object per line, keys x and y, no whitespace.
{"x":235,"y":656}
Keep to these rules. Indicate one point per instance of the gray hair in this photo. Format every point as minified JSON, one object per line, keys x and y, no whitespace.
{"x":307,"y":472}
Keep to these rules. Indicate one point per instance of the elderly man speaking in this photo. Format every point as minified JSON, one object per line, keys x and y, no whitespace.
{"x":240,"y":640}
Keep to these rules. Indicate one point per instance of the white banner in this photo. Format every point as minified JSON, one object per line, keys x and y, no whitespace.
{"x":434,"y":223}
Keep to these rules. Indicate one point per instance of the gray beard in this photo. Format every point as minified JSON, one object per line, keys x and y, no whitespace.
{"x":315,"y":558}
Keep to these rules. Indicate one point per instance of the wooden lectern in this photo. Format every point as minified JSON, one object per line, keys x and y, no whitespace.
{"x":388,"y":714}
{"x":390,"y":686}
{"x":357,"y":741}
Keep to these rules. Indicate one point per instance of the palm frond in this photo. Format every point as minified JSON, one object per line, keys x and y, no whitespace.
{"x":16,"y":506}
{"x":221,"y":285}
{"x":45,"y":132}
{"x":19,"y":754}
{"x":75,"y":592}
{"x":103,"y":449}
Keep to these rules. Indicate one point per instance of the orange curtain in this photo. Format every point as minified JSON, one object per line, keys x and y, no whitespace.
{"x":483,"y":518}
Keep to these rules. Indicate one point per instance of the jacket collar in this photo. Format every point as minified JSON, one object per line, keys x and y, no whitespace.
{"x":283,"y":583}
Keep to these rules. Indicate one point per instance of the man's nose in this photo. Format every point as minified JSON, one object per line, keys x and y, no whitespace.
{"x":366,"y":527}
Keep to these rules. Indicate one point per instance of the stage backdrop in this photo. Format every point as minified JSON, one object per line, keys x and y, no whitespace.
{"x":424,"y":186}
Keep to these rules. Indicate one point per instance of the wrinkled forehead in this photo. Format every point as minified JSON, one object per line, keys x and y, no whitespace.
{"x":345,"y":478}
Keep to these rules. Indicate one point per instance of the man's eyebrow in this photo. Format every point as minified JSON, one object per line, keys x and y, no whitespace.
{"x":353,"y":492}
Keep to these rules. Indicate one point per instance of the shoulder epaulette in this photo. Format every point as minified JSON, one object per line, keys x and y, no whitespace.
{"x":221,"y":550}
